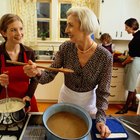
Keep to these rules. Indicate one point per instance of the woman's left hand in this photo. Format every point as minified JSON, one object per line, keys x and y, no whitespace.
{"x":103,"y":129}
{"x":27,"y":99}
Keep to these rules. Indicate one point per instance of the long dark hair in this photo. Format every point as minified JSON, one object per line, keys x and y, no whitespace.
{"x":133,"y":23}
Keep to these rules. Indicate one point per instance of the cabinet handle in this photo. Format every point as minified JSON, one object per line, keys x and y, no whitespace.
{"x":121,"y":34}
{"x":115,"y":68}
{"x":116,"y":34}
{"x":102,"y":1}
{"x":112,"y":95}
{"x":113,"y":86}
{"x":114,"y":76}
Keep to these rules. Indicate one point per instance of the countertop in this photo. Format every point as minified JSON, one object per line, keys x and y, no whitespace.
{"x":34,"y":128}
{"x":36,"y":122}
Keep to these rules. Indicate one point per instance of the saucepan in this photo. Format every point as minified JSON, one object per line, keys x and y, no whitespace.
{"x":12,"y":110}
{"x":66,"y":109}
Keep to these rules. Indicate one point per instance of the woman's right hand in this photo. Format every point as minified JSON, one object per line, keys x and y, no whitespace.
{"x":31,"y":70}
{"x":4,"y":79}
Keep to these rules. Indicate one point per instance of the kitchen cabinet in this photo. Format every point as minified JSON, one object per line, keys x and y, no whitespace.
{"x":117,"y":90}
{"x":112,"y":15}
{"x":49,"y":92}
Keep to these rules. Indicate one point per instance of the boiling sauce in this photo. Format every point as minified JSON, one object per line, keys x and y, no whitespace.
{"x":67,"y":125}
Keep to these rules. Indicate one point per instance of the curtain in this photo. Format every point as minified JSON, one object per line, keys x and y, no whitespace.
{"x":26,"y":9}
{"x":88,"y":3}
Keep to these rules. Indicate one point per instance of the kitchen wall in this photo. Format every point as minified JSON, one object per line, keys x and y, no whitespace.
{"x":121,"y":45}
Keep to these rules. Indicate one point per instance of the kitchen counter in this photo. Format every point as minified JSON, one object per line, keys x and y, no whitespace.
{"x":34,"y":128}
{"x":118,"y":64}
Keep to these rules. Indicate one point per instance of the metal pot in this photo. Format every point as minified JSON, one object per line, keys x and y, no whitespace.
{"x":12,"y":114}
{"x":60,"y":107}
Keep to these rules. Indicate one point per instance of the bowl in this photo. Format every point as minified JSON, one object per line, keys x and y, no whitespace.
{"x":67,"y":108}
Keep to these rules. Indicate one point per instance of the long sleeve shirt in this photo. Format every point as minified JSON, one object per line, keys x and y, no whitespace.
{"x":97,"y":71}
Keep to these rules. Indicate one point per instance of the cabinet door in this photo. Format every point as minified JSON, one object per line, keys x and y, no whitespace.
{"x":109,"y":17}
{"x":113,"y":14}
{"x":50,"y":91}
{"x":117,"y":88}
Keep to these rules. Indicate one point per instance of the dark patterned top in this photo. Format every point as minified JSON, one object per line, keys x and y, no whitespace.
{"x":97,"y":71}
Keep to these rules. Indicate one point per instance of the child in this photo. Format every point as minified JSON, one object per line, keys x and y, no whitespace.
{"x":106,"y":41}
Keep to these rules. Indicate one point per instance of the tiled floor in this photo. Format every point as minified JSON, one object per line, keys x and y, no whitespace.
{"x":111,"y":110}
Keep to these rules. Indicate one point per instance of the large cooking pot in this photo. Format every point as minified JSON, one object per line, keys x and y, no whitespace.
{"x":66,"y":107}
{"x":12,"y":110}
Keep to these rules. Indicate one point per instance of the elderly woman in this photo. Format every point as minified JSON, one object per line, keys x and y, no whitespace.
{"x":89,"y":85}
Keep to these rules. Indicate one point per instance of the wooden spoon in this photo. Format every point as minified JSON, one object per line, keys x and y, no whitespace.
{"x":64,"y":70}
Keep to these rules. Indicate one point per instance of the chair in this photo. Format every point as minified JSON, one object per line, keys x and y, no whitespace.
{"x":138,"y":97}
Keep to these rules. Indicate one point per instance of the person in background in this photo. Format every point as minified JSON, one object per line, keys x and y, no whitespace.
{"x":12,"y":76}
{"x":106,"y":41}
{"x":132,"y":65}
{"x":91,"y":63}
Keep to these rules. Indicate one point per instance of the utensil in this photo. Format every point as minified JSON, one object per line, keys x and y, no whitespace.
{"x":64,"y":70}
{"x":128,"y":122}
{"x":7,"y":97}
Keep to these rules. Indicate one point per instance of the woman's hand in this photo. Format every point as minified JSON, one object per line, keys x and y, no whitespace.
{"x":4,"y":79}
{"x":31,"y":70}
{"x":27,"y":100}
{"x":103,"y":129}
{"x":129,"y":59}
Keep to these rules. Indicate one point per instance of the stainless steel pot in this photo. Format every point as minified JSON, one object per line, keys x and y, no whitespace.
{"x":60,"y":107}
{"x":12,"y":115}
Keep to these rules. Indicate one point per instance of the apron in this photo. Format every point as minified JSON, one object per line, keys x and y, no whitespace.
{"x":87,"y":100}
{"x":18,"y":83}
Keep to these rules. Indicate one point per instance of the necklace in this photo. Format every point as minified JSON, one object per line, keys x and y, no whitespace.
{"x":85,"y":50}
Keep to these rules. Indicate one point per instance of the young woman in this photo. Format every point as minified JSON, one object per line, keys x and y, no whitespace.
{"x":12,"y":76}
{"x":132,"y":65}
{"x":89,"y":85}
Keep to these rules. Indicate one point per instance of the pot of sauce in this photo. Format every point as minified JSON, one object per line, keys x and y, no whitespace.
{"x":12,"y":110}
{"x":65,"y":121}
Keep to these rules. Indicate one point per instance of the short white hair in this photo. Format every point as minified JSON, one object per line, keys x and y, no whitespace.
{"x":88,"y":20}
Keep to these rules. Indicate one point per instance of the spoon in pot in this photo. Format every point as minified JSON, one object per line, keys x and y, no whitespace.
{"x":7,"y":97}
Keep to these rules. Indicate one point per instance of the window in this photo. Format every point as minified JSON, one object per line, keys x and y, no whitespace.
{"x":51,"y":19}
{"x":63,"y":9}
{"x":43,"y":19}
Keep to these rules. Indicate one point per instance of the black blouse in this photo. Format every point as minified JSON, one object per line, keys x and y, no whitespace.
{"x":134,"y":45}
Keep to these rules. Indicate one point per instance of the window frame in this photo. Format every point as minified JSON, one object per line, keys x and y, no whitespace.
{"x":59,"y":18}
{"x":54,"y":20}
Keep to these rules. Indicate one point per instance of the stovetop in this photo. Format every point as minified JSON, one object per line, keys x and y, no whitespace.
{"x":34,"y":128}
{"x":12,"y":131}
{"x":31,"y":128}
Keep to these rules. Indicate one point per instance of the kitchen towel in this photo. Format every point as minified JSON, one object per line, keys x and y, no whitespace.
{"x":118,"y":132}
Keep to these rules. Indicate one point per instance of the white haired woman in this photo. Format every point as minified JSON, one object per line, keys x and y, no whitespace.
{"x":91,"y":63}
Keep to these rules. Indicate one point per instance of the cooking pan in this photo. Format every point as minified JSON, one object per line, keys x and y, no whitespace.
{"x":12,"y":110}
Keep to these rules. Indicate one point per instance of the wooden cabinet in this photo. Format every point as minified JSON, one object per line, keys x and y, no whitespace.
{"x":112,"y":15}
{"x":49,"y":92}
{"x":117,"y":88}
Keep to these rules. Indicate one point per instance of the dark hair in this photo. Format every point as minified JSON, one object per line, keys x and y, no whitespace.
{"x":6,"y":20}
{"x":106,"y":37}
{"x":133,"y":23}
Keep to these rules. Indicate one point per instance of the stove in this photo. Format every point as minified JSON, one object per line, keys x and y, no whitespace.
{"x":34,"y":128}
{"x":12,"y":131}
{"x":31,"y":128}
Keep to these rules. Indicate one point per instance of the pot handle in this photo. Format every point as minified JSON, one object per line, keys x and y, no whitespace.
{"x":27,"y":104}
